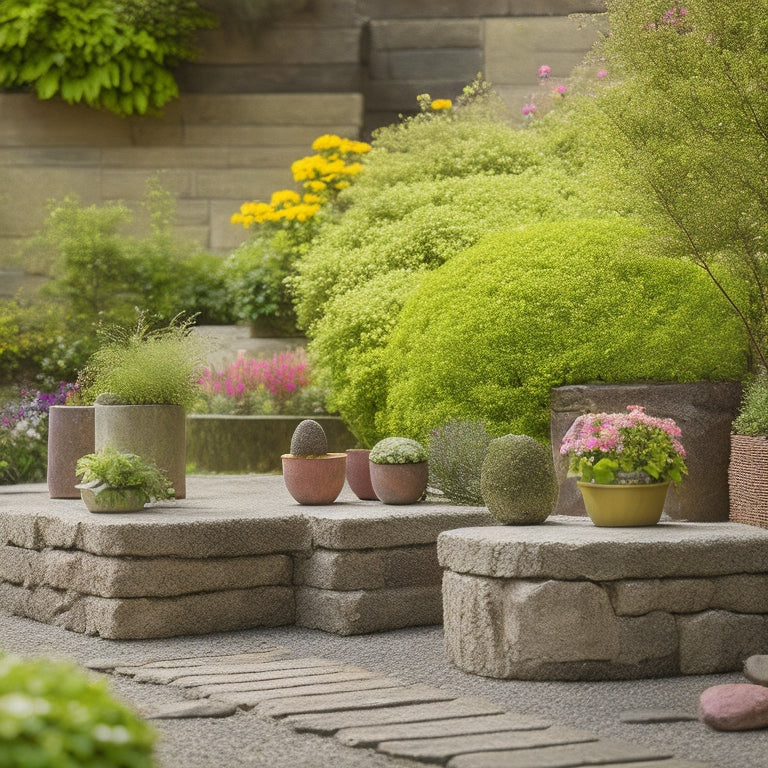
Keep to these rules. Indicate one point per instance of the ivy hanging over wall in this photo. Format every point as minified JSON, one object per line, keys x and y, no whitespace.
{"x":111,"y":54}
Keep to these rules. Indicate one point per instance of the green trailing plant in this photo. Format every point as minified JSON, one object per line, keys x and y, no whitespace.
{"x":108,"y":472}
{"x":687,"y":116}
{"x":54,"y":714}
{"x":518,"y":481}
{"x":309,"y":440}
{"x":102,"y":53}
{"x":574,"y":302}
{"x":398,"y":450}
{"x":143,"y":365}
{"x":753,"y":414}
{"x":456,"y":452}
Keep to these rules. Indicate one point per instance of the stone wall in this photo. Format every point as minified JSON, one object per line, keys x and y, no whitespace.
{"x":259,"y":93}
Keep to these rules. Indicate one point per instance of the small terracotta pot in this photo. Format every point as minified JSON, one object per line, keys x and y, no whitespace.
{"x":359,"y":473}
{"x":399,"y":483}
{"x":317,"y":480}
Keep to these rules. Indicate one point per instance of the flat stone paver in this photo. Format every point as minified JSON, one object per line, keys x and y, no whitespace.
{"x":329,"y":723}
{"x":366,"y":709}
{"x":284,"y":683}
{"x":250,"y":699}
{"x":440,"y":750}
{"x":409,"y":694}
{"x":458,"y":726}
{"x":603,"y":753}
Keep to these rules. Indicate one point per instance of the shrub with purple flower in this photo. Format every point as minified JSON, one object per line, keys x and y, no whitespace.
{"x":277,"y":386}
{"x":24,"y":434}
{"x":600,"y":446}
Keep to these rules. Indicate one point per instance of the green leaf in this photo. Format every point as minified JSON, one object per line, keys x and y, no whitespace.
{"x":47,"y":85}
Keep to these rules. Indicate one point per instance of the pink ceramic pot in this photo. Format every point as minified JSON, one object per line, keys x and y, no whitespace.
{"x":70,"y":436}
{"x":399,"y":483}
{"x":359,"y":473}
{"x":317,"y":480}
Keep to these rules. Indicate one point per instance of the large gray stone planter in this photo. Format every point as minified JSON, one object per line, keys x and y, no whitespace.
{"x":154,"y":432}
{"x":251,"y":443}
{"x":703,"y":410}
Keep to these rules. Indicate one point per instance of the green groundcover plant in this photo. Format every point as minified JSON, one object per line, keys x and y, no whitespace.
{"x":571,"y":302}
{"x":54,"y":714}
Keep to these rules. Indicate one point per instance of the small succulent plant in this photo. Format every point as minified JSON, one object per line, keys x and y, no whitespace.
{"x":309,"y":440}
{"x":398,"y":450}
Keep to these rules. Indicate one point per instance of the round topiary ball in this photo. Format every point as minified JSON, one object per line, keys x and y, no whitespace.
{"x":309,"y":439}
{"x":517,"y":480}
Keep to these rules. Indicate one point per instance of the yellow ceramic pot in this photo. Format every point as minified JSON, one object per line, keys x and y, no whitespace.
{"x":624,"y":505}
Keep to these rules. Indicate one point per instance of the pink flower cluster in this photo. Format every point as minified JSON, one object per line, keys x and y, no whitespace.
{"x":281,"y":376}
{"x":602,"y":431}
{"x":674,"y":17}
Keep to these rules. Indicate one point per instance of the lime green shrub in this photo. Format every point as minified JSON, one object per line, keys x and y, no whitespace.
{"x":103,"y":53}
{"x":53,"y":714}
{"x":488,"y":334}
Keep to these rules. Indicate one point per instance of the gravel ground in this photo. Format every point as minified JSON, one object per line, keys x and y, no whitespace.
{"x":414,"y":656}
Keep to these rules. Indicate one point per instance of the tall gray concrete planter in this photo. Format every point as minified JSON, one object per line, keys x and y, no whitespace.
{"x":70,"y":436}
{"x":155,"y":432}
{"x":703,"y":410}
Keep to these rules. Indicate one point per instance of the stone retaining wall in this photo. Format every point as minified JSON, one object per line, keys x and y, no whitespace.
{"x":570,"y":601}
{"x":237,"y":553}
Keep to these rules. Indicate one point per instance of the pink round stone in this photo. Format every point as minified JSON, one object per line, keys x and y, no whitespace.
{"x":734,"y":707}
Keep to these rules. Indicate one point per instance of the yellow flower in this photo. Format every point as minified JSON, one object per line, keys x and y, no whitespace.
{"x":438,"y":104}
{"x":311,"y":199}
{"x":326,"y":141}
{"x":284,"y":197}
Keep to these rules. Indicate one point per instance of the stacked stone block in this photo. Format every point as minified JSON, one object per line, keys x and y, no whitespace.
{"x":245,"y":556}
{"x":570,"y":601}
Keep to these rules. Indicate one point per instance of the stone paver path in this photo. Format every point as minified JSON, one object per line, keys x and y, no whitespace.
{"x":362,"y":708}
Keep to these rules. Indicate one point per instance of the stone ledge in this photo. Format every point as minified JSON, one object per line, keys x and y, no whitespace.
{"x":563,"y":601}
{"x":572,"y":548}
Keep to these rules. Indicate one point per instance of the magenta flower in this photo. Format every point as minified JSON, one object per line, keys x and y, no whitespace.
{"x":529,"y":109}
{"x":544,"y":71}
{"x":602,"y":73}
{"x":561,"y":89}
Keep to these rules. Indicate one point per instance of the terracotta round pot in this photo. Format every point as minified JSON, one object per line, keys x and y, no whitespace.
{"x":399,"y":483}
{"x":359,"y":473}
{"x":317,"y":480}
{"x":70,"y":436}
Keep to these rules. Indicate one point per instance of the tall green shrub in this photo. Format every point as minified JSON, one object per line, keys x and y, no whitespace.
{"x":687,"y":114}
{"x":570,"y":302}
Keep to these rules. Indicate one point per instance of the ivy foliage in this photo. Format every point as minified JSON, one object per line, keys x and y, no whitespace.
{"x":570,"y":302}
{"x":104,"y":53}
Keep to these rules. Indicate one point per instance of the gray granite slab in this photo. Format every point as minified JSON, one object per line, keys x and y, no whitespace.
{"x":285,"y":684}
{"x":373,"y":735}
{"x":189,"y":709}
{"x":330,"y":722}
{"x":268,"y":654}
{"x":655,"y":716}
{"x":165,"y":676}
{"x":407,"y":694}
{"x":569,"y":548}
{"x":197,"y":682}
{"x":249,"y":699}
{"x":441,"y":750}
{"x":604,"y":752}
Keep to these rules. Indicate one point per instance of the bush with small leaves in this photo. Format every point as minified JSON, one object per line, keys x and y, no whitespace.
{"x":398,"y":450}
{"x":518,"y":481}
{"x":54,"y":714}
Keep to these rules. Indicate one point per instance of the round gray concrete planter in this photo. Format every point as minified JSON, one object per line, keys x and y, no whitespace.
{"x":703,"y":410}
{"x":70,"y":436}
{"x":251,"y":443}
{"x":154,"y":432}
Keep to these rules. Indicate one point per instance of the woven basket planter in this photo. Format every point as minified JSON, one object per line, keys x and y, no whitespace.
{"x":748,"y":480}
